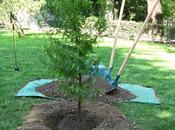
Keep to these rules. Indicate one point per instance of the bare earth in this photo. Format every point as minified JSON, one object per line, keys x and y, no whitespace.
{"x":61,"y":115}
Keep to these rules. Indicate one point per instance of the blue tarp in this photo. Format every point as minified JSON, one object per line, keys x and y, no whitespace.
{"x":30,"y":88}
{"x":143,"y":94}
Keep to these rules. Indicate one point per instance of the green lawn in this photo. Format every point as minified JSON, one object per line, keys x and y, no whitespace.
{"x":151,"y":65}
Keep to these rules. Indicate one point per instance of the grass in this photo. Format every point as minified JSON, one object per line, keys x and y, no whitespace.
{"x":151,"y":65}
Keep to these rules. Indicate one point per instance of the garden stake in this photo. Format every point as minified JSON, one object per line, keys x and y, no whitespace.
{"x":14,"y":42}
{"x":115,"y":82}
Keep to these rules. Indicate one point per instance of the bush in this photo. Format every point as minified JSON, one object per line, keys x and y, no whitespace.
{"x":171,"y":32}
{"x":127,"y":29}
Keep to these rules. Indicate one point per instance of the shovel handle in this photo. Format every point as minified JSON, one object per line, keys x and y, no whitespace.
{"x":137,"y":39}
{"x":116,"y":35}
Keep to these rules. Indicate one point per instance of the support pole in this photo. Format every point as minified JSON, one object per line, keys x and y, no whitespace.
{"x":14,"y":42}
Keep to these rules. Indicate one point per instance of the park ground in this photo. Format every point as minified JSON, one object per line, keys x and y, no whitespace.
{"x":152,"y":64}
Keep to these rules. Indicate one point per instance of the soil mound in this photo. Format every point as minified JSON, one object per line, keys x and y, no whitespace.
{"x":61,"y":115}
{"x":120,"y":94}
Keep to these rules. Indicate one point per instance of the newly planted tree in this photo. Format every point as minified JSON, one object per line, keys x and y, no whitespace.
{"x":71,"y":49}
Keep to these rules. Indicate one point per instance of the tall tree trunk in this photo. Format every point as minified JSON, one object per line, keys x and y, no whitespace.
{"x":156,"y":19}
{"x":157,"y":14}
{"x":109,"y":10}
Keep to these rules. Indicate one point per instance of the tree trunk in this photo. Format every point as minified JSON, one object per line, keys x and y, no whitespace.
{"x":156,"y":19}
{"x":79,"y":101}
{"x":79,"y":110}
{"x":109,"y":10}
{"x":157,"y":14}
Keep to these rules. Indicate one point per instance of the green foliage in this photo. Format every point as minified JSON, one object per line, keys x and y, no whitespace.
{"x":72,"y":53}
{"x":66,"y":60}
{"x":171,"y":32}
{"x":168,"y":7}
{"x":137,"y":9}
{"x":86,"y":92}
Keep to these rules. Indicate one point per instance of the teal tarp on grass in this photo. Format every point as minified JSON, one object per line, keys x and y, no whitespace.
{"x":143,"y":94}
{"x":30,"y":88}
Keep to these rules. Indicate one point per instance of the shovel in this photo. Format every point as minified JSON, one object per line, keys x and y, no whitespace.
{"x":115,"y":82}
{"x":102,"y":70}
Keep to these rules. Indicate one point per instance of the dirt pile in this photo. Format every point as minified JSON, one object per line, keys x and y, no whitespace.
{"x":120,"y":94}
{"x":61,"y":115}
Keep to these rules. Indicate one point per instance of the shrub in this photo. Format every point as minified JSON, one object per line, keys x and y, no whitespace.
{"x":171,"y":32}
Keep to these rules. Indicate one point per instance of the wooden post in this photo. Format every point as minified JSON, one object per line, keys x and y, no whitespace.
{"x":14,"y":41}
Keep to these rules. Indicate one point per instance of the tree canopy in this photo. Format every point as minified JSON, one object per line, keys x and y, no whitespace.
{"x":137,"y":9}
{"x":31,"y":6}
{"x":168,"y":7}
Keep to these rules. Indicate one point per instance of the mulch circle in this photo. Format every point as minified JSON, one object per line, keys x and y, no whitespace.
{"x":51,"y":90}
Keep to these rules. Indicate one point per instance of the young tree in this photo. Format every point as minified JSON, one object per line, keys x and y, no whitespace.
{"x":21,"y":10}
{"x":71,"y":51}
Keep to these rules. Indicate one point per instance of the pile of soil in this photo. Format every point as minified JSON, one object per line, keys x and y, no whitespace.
{"x":119,"y":94}
{"x":61,"y":115}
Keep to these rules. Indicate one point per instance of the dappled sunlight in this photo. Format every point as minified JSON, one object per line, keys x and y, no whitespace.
{"x":164,"y":114}
{"x":145,"y":52}
{"x":166,"y":60}
{"x":6,"y":34}
{"x":32,"y":47}
{"x":162,"y":59}
{"x":142,"y":56}
{"x":169,"y":60}
{"x":108,"y":42}
{"x":2,"y":48}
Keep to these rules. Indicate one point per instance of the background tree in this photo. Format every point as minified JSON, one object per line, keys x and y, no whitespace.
{"x":21,"y":9}
{"x":134,"y":9}
{"x":110,"y":10}
{"x":168,"y":8}
{"x":157,"y":14}
{"x":71,"y":52}
{"x":137,"y":9}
